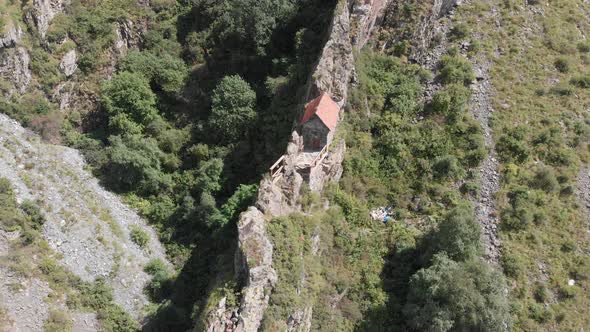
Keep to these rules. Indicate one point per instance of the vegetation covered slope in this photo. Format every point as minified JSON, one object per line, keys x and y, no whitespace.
{"x":200,"y":101}
{"x":539,"y":66}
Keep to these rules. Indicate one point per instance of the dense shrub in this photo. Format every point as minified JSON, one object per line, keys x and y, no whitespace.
{"x":232,"y":110}
{"x":512,"y":147}
{"x":244,"y":25}
{"x":133,"y":162}
{"x":45,"y":67}
{"x":161,"y":282}
{"x":139,"y":236}
{"x":456,"y":69}
{"x":127,"y":97}
{"x":32,"y":210}
{"x":168,"y":73}
{"x":582,"y":81}
{"x":545,"y":179}
{"x":459,"y":234}
{"x":562,"y":64}
{"x":460,"y":31}
{"x":457,"y":296}
{"x":58,"y":321}
{"x":451,"y":100}
{"x":446,"y":167}
{"x":518,"y":215}
{"x":584,"y":47}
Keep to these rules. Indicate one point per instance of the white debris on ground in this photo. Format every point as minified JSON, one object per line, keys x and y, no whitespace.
{"x":383,"y":214}
{"x":571,"y":282}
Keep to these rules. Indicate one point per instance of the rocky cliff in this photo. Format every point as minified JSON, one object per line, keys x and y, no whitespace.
{"x":333,"y":73}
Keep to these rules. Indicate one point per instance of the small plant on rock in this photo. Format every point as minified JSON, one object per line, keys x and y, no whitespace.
{"x":139,"y":236}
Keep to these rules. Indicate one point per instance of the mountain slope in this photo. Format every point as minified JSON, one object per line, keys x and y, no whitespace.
{"x":89,"y":230}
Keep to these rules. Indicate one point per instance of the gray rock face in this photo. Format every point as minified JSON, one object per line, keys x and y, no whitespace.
{"x":68,"y":63}
{"x":14,"y":68}
{"x":300,"y":321}
{"x":330,"y":169}
{"x":11,"y":37}
{"x":335,"y":67}
{"x":63,"y":95}
{"x":365,"y":15}
{"x":426,"y":50}
{"x":256,"y":251}
{"x":44,"y":11}
{"x":88,"y":226}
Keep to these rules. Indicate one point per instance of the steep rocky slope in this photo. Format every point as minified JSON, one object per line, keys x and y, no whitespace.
{"x":86,"y":225}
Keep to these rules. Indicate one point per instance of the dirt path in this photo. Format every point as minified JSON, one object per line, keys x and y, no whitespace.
{"x":583,"y":191}
{"x":489,"y":178}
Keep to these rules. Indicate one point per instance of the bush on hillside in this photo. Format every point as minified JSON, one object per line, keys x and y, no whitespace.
{"x":134,"y":163}
{"x":582,"y":81}
{"x":562,"y":64}
{"x":545,"y":179}
{"x":459,"y":234}
{"x":456,"y":69}
{"x":232,"y":110}
{"x":127,"y":97}
{"x":453,"y":296}
{"x":512,"y":146}
{"x":139,"y":236}
{"x":451,"y":100}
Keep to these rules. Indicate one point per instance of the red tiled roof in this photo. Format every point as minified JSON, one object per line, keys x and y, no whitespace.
{"x":325,"y":108}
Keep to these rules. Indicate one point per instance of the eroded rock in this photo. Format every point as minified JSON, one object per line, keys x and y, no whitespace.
{"x":68,"y":63}
{"x":44,"y":11}
{"x":12,"y":36}
{"x":14,"y":69}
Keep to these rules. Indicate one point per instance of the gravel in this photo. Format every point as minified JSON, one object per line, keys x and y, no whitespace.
{"x":583,"y":191}
{"x":86,"y":224}
{"x":489,"y":179}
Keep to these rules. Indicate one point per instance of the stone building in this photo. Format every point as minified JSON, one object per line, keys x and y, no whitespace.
{"x":319,"y":123}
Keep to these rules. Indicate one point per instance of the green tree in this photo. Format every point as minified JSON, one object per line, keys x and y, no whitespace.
{"x":168,"y":73}
{"x":233,"y":108}
{"x":453,"y":296}
{"x":134,"y":163}
{"x":459,"y":235}
{"x":127,"y":97}
{"x":456,"y":69}
{"x":243,"y":25}
{"x":451,"y":100}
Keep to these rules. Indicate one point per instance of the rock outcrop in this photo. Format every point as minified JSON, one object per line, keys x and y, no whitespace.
{"x":12,"y":36}
{"x":86,"y":225}
{"x":44,"y":11}
{"x":279,"y":196}
{"x":335,"y":67}
{"x":365,"y":15}
{"x":14,"y":69}
{"x":68,"y":63}
{"x":256,"y":257}
{"x":429,"y":30}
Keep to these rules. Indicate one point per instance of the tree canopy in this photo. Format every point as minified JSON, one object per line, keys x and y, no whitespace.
{"x":127,"y":97}
{"x":457,"y":296}
{"x":232,"y":111}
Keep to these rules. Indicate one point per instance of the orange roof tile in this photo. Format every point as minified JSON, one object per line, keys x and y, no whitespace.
{"x":325,"y":108}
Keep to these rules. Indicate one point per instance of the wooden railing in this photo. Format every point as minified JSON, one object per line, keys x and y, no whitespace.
{"x":320,"y":156}
{"x":276,"y":170}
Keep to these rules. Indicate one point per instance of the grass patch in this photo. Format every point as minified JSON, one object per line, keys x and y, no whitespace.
{"x":139,"y":236}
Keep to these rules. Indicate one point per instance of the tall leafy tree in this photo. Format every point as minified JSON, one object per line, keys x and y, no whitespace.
{"x":244,"y":26}
{"x":453,"y":296}
{"x":233,"y":111}
{"x":127,"y":97}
